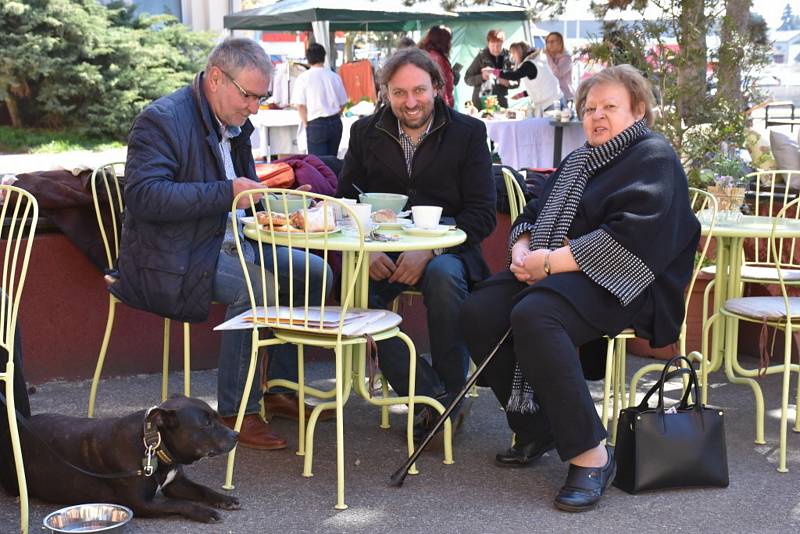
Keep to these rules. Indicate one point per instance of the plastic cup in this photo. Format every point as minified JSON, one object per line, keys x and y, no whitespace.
{"x":426,"y":216}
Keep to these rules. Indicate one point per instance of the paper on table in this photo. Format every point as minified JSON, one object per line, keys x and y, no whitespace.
{"x":354,"y":323}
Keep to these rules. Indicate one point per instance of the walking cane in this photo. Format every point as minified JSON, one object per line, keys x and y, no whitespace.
{"x":400,"y":475}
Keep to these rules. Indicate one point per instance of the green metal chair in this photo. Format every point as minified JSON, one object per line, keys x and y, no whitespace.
{"x":107,"y":196}
{"x":316,"y":323}
{"x":19,"y":214}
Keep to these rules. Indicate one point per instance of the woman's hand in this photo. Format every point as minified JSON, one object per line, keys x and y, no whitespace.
{"x":533,"y":265}
{"x":518,"y":254}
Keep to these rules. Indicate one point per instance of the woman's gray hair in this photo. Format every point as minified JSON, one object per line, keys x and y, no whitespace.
{"x":235,"y":54}
{"x":639,"y":89}
{"x":409,"y":56}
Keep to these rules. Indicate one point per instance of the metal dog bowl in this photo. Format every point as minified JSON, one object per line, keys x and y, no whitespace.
{"x":95,"y":517}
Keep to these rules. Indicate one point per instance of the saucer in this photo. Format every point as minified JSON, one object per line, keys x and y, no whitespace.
{"x":427,"y":232}
{"x":396,"y":225}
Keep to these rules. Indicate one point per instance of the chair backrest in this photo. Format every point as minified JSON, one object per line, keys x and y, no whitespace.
{"x":704,"y":205}
{"x":771,"y":190}
{"x":516,"y":197}
{"x":108,"y":207}
{"x":19,"y":214}
{"x":779,"y":256}
{"x":299,"y":210}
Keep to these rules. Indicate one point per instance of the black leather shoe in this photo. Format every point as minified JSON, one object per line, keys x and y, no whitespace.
{"x":585,"y":485}
{"x":524,"y":454}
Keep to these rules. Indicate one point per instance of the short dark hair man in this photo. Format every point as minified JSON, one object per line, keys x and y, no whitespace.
{"x":320,"y":98}
{"x":189,"y":154}
{"x":418,"y":146}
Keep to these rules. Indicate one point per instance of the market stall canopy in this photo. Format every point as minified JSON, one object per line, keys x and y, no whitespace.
{"x":298,"y":15}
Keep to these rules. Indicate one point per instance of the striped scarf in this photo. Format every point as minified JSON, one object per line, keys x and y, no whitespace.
{"x":555,"y":218}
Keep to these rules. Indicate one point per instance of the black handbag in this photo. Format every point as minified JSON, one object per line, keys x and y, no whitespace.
{"x":678,"y":448}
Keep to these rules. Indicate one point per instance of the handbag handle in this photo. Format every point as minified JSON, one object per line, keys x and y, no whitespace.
{"x":665,"y":377}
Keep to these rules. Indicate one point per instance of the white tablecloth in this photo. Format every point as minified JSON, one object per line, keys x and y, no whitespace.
{"x":278,"y":131}
{"x":529,"y":142}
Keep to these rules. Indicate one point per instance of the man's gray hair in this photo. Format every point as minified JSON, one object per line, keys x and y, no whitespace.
{"x":235,"y":54}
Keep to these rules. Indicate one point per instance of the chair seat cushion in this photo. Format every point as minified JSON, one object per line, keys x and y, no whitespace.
{"x":769,"y":308}
{"x":766,"y":274}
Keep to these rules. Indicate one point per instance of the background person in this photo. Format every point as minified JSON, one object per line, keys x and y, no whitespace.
{"x":560,"y":63}
{"x":189,"y":154}
{"x":607,"y":246}
{"x":420,"y":147}
{"x":320,"y":98}
{"x":534,"y":74}
{"x":480,"y":72}
{"x":437,"y":44}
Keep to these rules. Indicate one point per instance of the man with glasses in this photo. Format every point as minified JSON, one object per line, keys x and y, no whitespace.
{"x":189,"y":155}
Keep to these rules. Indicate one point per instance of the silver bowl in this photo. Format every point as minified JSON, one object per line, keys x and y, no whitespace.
{"x":95,"y":517}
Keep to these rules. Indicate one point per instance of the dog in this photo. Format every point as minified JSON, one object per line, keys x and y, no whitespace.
{"x":178,"y":432}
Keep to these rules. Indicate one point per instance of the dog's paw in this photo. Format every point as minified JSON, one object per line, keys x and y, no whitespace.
{"x":228,"y":503}
{"x":205,"y":515}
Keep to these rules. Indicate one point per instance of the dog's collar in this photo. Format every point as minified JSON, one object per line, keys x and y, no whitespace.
{"x":153,"y":446}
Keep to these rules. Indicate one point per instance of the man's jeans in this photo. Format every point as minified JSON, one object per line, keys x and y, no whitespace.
{"x":323,"y":135}
{"x":234,"y":354}
{"x":444,"y":287}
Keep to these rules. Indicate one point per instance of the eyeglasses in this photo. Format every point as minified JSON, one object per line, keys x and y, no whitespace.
{"x":261,"y":99}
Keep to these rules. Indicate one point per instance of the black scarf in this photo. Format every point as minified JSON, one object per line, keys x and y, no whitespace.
{"x":555,"y":218}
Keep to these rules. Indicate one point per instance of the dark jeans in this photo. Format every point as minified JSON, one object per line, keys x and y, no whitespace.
{"x":323,"y":135}
{"x":444,"y":287}
{"x":546,"y":330}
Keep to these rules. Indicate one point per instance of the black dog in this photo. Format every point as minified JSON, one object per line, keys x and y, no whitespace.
{"x":178,"y":432}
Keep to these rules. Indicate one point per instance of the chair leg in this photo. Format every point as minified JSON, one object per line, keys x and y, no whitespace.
{"x":385,"y":408}
{"x":731,"y":338}
{"x":165,"y":362}
{"x":473,"y":391}
{"x":787,"y":372}
{"x":101,"y":358}
{"x":340,"y":505}
{"x":412,"y":384}
{"x":248,"y":383}
{"x":301,"y":402}
{"x":187,"y":360}
{"x":16,"y":447}
{"x":609,"y":378}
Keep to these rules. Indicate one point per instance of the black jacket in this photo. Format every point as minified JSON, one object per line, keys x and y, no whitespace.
{"x":451,"y":169}
{"x":177,"y":200}
{"x":640,"y":199}
{"x":473,"y":76}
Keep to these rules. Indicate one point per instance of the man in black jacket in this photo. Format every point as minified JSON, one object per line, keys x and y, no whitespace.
{"x":189,"y":155}
{"x":418,"y":146}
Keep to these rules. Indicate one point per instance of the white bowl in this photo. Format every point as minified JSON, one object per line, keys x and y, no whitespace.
{"x":94,"y":517}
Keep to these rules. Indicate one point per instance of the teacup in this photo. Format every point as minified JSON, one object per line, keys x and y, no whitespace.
{"x":363,"y":212}
{"x":426,"y":216}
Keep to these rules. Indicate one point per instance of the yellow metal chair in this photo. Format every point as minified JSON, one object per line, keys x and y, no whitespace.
{"x":705,"y":206}
{"x":301,"y":325}
{"x":516,"y":197}
{"x":780,"y":312}
{"x":107,"y":195}
{"x":19,"y":214}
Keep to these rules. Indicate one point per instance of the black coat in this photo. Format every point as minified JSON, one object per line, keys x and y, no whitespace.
{"x":451,"y":169}
{"x":177,"y":200}
{"x":473,"y":76}
{"x":640,"y":199}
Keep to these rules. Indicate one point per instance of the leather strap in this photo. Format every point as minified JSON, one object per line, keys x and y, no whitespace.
{"x":372,"y":362}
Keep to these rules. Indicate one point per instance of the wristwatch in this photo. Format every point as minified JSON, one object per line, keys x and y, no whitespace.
{"x":546,"y":265}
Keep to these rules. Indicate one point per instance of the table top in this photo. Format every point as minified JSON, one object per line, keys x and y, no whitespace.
{"x":753,"y":226}
{"x":347,"y":242}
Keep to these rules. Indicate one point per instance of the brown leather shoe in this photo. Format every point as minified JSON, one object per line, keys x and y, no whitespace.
{"x":256,"y":433}
{"x":285,"y":405}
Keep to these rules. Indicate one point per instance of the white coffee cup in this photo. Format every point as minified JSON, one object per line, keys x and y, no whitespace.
{"x":426,"y":216}
{"x":338,"y":212}
{"x":363,"y":212}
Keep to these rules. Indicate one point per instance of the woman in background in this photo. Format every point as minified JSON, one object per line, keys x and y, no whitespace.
{"x":560,"y":63}
{"x":437,"y":44}
{"x":534,"y":74}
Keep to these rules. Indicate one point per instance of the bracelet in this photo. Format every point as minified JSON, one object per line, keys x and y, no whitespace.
{"x":546,"y":266}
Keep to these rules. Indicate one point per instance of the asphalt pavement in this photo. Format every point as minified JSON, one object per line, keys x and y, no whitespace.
{"x":470,"y":496}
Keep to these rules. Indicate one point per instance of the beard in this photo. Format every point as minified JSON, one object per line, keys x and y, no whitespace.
{"x":417,"y":122}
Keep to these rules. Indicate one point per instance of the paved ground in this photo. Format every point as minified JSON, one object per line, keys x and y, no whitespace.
{"x":471,"y":496}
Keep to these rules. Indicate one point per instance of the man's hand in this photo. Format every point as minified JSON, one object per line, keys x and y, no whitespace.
{"x":410,"y":266}
{"x":381,"y":266}
{"x":245,"y":184}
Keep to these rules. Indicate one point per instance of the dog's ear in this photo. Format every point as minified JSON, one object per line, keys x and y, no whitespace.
{"x":164,"y":418}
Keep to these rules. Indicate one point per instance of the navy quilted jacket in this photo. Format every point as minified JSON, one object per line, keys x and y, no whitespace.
{"x":177,"y":200}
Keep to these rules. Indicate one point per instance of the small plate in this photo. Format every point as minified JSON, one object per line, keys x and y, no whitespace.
{"x":427,"y":232}
{"x":248,"y":221}
{"x":301,"y":233}
{"x":396,"y":225}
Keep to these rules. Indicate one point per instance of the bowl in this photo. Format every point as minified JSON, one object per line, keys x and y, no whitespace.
{"x":382,"y":201}
{"x":94,"y":517}
{"x":293,"y":203}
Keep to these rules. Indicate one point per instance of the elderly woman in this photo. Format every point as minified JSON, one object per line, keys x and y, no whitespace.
{"x":609,"y":245}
